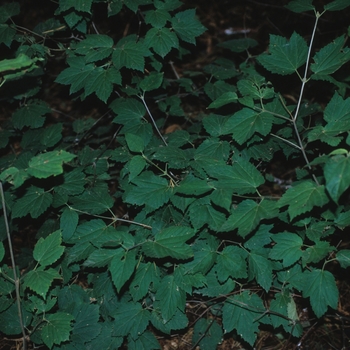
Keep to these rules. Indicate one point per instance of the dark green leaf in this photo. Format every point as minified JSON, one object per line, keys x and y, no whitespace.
{"x":40,"y":280}
{"x":207,"y":334}
{"x":336,"y":5}
{"x":260,"y":268}
{"x":300,"y":6}
{"x":122,"y":266}
{"x":162,"y":40}
{"x":343,"y":256}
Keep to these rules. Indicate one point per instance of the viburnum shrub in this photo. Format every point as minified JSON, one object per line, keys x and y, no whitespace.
{"x":133,"y":224}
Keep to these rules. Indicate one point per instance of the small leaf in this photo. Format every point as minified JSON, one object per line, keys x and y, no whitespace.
{"x":300,"y":6}
{"x":337,"y":175}
{"x":343,"y":256}
{"x":135,"y":166}
{"x":287,"y":248}
{"x":48,"y":250}
{"x":57,"y":328}
{"x":49,"y":164}
{"x":320,"y":286}
{"x":68,"y":223}
{"x":224,"y":99}
{"x":303,"y":197}
{"x":285,"y":56}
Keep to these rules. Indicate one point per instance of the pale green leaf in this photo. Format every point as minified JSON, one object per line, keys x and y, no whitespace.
{"x":242,"y":313}
{"x":303,"y":198}
{"x":331,"y":57}
{"x":170,"y":243}
{"x":337,"y":175}
{"x":287,"y":248}
{"x":170,"y":297}
{"x":247,"y":216}
{"x":40,"y":281}
{"x":247,"y":122}
{"x":34,"y":202}
{"x":48,"y":250}
{"x":343,"y":256}
{"x":122,"y":266}
{"x":300,"y":6}
{"x":162,"y":40}
{"x":57,"y":328}
{"x":186,"y":26}
{"x":320,"y":286}
{"x":49,"y":163}
{"x":285,"y":57}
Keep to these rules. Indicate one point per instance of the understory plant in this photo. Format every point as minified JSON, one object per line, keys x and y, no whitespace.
{"x":150,"y":217}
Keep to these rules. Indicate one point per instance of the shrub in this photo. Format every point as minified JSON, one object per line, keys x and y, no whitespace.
{"x":132,"y":223}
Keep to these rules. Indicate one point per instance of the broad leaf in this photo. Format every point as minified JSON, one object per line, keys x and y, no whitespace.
{"x":31,"y":114}
{"x":162,"y":40}
{"x":232,"y":262}
{"x":260,"y":268}
{"x":68,"y":223}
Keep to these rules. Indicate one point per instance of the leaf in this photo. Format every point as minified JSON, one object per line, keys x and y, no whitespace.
{"x":239,"y":45}
{"x":343,"y":257}
{"x":130,"y":318}
{"x":135,"y":143}
{"x":146,"y":275}
{"x":303,"y":197}
{"x":49,"y":163}
{"x":98,"y":257}
{"x":2,"y":251}
{"x":135,"y":166}
{"x":150,"y":190}
{"x":34,"y":202}
{"x":73,"y":183}
{"x":215,"y":124}
{"x":320,"y":286}
{"x":186,"y":26}
{"x":224,"y":99}
{"x":260,"y":268}
{"x":40,"y":280}
{"x":51,"y":135}
{"x":337,"y":175}
{"x":316,"y":253}
{"x":336,"y":5}
{"x":162,"y":40}
{"x":68,"y":223}
{"x":128,"y":111}
{"x":48,"y":250}
{"x":241,"y":313}
{"x":331,"y":57}
{"x":78,"y":5}
{"x":170,"y":243}
{"x":193,"y":186}
{"x":32,"y":114}
{"x":287,"y":248}
{"x":178,"y":321}
{"x":231,"y":262}
{"x":285,"y":56}
{"x":144,"y":341}
{"x":207,"y":334}
{"x":57,"y":328}
{"x":95,"y":47}
{"x":122,"y":267}
{"x":247,"y":216}
{"x":9,"y":10}
{"x":157,"y":18}
{"x":130,"y":54}
{"x":300,"y":6}
{"x":246,"y":122}
{"x":170,"y":297}
{"x":151,"y":82}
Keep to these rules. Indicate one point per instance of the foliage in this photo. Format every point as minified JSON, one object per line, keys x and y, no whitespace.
{"x":195,"y":221}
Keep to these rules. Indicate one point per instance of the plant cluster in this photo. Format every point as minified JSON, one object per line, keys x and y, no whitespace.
{"x":133,"y":224}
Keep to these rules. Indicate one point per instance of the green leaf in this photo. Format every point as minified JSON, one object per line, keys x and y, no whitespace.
{"x":343,"y":256}
{"x":186,"y":26}
{"x":224,"y":99}
{"x":320,"y":286}
{"x":128,"y":111}
{"x":300,"y":6}
{"x":336,"y":5}
{"x":32,"y":114}
{"x":207,"y":334}
{"x":170,"y":297}
{"x":98,"y":257}
{"x":57,"y":328}
{"x":239,"y":45}
{"x":170,"y":242}
{"x":9,"y":320}
{"x":73,"y":183}
{"x":135,"y":143}
{"x":157,"y":18}
{"x":48,"y":250}
{"x":135,"y":166}
{"x":2,"y":251}
{"x":287,"y":248}
{"x":331,"y":57}
{"x":215,"y":125}
{"x":193,"y":186}
{"x":68,"y":223}
{"x":77,"y":5}
{"x":145,"y":341}
{"x":231,"y":262}
{"x":260,"y":268}
{"x":34,"y":202}
{"x":51,"y":135}
{"x":246,"y":122}
{"x":151,"y":190}
{"x":40,"y":280}
{"x":130,"y":53}
{"x":337,"y":175}
{"x":101,"y":82}
{"x":242,"y":313}
{"x":303,"y":197}
{"x":95,"y":47}
{"x":49,"y":164}
{"x":130,"y":318}
{"x":247,"y":216}
{"x":146,"y":275}
{"x":162,"y":40}
{"x":152,"y":81}
{"x":316,"y":253}
{"x":9,"y":10}
{"x":122,"y":267}
{"x":285,"y":57}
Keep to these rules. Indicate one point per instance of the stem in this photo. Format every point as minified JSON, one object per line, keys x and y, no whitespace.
{"x":16,"y":279}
